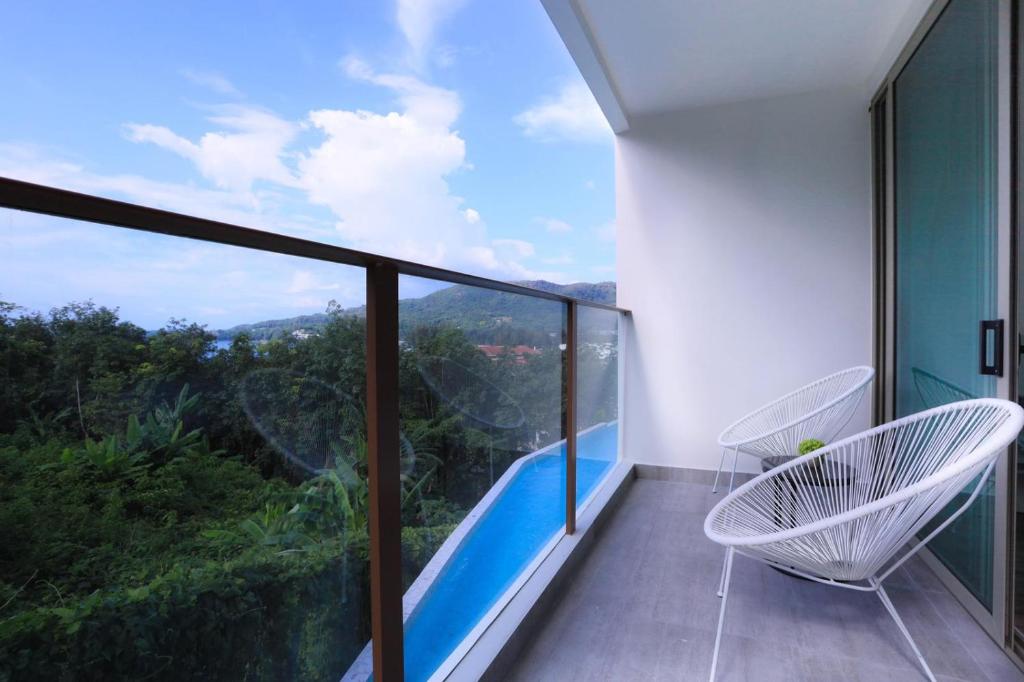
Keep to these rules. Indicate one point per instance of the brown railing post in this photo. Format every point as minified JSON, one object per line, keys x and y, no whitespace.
{"x":383,"y":464}
{"x":570,"y":418}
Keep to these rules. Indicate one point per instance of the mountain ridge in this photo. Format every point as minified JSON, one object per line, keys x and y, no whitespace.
{"x":473,"y":309}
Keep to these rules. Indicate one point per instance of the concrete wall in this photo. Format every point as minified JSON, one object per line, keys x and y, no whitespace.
{"x":744,"y":252}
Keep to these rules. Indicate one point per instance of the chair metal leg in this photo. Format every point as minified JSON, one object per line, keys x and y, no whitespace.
{"x":721,"y":579}
{"x":721,"y":463}
{"x":903,"y":628}
{"x":735,"y":457}
{"x":721,"y":613}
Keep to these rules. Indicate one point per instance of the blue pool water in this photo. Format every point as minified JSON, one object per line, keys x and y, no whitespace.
{"x":520,"y":522}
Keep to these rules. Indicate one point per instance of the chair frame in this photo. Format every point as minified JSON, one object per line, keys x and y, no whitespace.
{"x":737,"y":445}
{"x":992,"y":446}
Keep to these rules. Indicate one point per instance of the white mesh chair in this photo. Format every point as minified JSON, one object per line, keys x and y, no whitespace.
{"x":895,"y":479}
{"x":818,"y":410}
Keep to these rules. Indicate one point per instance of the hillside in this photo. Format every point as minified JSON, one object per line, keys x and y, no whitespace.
{"x":478,"y":312}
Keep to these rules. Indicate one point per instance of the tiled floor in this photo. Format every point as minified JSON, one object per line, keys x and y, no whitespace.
{"x":643,"y":607}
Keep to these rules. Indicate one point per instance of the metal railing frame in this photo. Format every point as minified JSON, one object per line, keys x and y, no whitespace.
{"x":382,"y":273}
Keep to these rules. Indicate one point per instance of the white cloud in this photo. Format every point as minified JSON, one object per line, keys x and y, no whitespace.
{"x":383,"y":176}
{"x":517,"y":246}
{"x":555,"y":225}
{"x":419,"y":21}
{"x":486,"y":258}
{"x":426,"y":104}
{"x":261,"y":210}
{"x":33,"y":165}
{"x":152,"y":277}
{"x":572,"y":114}
{"x":304,"y":281}
{"x":249,"y":149}
{"x":211,"y":80}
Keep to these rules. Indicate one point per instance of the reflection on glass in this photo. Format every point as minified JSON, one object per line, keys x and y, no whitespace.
{"x":944,"y":145}
{"x":935,"y":391}
{"x":481,"y":414}
{"x":473,"y":396}
{"x":597,"y":396}
{"x":178,"y":499}
{"x":311,"y":424}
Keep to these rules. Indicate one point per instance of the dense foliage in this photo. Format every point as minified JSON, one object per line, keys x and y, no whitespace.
{"x":170,"y":510}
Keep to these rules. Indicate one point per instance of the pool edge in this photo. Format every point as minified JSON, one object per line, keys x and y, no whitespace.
{"x":496,"y":648}
{"x":362,"y":667}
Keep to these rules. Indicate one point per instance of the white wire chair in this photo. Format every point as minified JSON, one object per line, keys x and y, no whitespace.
{"x":818,"y":410}
{"x":897,"y":477}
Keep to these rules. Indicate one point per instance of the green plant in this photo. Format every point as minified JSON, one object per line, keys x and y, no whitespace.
{"x":160,"y":439}
{"x":43,"y":427}
{"x":256,"y":617}
{"x":111,"y":457}
{"x":809,"y":445}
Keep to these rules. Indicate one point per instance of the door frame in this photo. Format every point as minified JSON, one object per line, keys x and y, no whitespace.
{"x":1014,"y":637}
{"x":997,"y":622}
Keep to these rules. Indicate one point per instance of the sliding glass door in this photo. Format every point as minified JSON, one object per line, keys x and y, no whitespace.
{"x":941,"y":130}
{"x":946,"y":246}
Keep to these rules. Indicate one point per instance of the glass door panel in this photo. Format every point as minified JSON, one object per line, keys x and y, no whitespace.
{"x":1017,"y":490}
{"x":946,"y":244}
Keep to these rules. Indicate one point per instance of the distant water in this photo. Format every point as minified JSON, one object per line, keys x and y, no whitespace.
{"x":222,"y":344}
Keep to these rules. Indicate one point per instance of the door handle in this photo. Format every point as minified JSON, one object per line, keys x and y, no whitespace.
{"x":991,"y":361}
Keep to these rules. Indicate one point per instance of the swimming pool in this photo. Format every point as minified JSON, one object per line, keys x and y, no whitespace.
{"x":524,"y":518}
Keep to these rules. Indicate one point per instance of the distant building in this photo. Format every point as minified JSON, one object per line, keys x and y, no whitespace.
{"x":518,"y":352}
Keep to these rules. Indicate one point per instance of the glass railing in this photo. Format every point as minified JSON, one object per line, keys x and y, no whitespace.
{"x":481,"y":420}
{"x":182,"y":458}
{"x":597,"y":398}
{"x":232,"y":455}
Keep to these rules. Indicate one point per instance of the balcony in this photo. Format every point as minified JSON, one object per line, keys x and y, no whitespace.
{"x":451,"y":476}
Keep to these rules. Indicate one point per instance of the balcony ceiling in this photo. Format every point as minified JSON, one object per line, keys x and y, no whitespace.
{"x":666,"y":55}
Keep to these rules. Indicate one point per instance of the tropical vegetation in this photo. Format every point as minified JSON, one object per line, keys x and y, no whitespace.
{"x":174,"y":510}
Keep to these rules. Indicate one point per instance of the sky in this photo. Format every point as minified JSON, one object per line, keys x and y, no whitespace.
{"x":451,"y":132}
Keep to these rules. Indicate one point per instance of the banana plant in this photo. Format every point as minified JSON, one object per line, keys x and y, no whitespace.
{"x":159,"y":439}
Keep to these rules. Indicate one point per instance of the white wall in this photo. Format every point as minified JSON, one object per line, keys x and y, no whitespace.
{"x":744,"y":252}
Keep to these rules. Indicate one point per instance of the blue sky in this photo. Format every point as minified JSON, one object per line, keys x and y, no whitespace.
{"x":453,"y":132}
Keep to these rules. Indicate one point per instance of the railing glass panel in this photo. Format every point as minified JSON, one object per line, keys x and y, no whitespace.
{"x":483,"y":456}
{"x":182,"y":458}
{"x":597,"y":398}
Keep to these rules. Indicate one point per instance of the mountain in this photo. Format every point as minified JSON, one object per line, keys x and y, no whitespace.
{"x":479,"y":312}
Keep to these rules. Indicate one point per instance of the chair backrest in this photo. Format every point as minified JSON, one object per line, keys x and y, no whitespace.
{"x":858,"y":501}
{"x":817,"y":410}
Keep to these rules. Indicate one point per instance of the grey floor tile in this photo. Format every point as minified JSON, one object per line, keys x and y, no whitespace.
{"x":750,"y":659}
{"x":990,"y":658}
{"x":924,"y":578}
{"x":642,"y":606}
{"x":944,"y":651}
